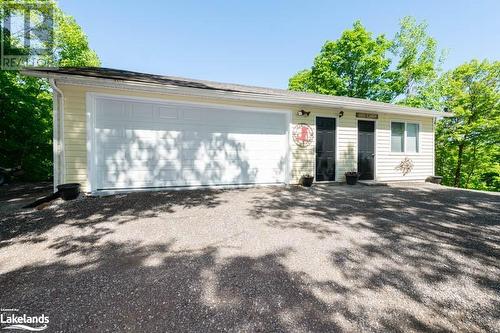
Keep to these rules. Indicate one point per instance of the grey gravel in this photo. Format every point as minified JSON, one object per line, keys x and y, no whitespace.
{"x":275,"y":259}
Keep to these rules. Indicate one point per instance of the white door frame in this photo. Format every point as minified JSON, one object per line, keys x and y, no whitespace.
{"x":91,"y":107}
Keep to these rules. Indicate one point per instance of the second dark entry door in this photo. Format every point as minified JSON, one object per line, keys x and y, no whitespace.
{"x":325,"y":149}
{"x":366,"y":149}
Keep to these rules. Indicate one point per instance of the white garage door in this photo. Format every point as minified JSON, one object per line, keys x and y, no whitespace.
{"x":147,"y":144}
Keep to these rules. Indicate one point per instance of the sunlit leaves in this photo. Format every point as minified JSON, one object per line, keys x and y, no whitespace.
{"x":355,"y":65}
{"x":26,"y":103}
{"x":472,"y":93}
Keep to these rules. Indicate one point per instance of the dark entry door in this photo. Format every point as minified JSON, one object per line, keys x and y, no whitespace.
{"x":325,"y":149}
{"x":366,"y":149}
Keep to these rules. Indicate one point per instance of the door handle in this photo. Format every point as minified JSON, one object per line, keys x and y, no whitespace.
{"x":373,"y":155}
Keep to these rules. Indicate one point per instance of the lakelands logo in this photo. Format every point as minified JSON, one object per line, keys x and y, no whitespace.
{"x":12,"y":319}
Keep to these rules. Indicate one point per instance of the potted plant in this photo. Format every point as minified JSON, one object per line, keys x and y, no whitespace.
{"x":434,"y":179}
{"x":351,"y":177}
{"x":306,"y":180}
{"x":69,"y":191}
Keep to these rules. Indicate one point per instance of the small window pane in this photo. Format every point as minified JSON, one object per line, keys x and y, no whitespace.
{"x":397,"y":137}
{"x":412,"y":138}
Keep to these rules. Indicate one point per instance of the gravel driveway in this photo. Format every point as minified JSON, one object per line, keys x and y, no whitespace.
{"x":330,"y":258}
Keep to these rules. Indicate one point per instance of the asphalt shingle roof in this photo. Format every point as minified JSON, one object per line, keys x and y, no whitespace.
{"x":123,"y":75}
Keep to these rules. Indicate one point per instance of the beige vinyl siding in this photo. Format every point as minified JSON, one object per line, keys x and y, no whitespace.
{"x":302,"y":159}
{"x":387,"y":161}
{"x":347,"y":136}
{"x":75,"y":146}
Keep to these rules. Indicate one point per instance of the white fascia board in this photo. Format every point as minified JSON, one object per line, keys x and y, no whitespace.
{"x":313,"y":100}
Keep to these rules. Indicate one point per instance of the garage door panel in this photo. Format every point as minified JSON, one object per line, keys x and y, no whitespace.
{"x":141,"y":150}
{"x":205,"y":156}
{"x":108,"y":134}
{"x":141,"y":144}
{"x":168,"y":113}
{"x":189,"y":178}
{"x":126,"y":165}
{"x":212,"y":175}
{"x":109,"y":155}
{"x":110,"y":110}
{"x":141,"y":112}
{"x":195,"y":129}
{"x":198,"y":129}
{"x":119,"y":137}
{"x":120,"y":145}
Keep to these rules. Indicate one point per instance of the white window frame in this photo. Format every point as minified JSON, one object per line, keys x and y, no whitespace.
{"x":405,"y":151}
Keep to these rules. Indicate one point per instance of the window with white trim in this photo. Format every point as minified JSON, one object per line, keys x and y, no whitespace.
{"x":397,"y":137}
{"x":405,"y":137}
{"x":412,"y":131}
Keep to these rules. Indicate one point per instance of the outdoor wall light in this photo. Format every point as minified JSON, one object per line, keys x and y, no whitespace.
{"x":303,"y":113}
{"x":341,"y":113}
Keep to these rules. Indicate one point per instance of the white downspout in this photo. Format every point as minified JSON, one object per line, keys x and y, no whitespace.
{"x":58,"y":133}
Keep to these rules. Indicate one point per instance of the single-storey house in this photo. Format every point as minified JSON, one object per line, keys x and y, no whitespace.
{"x":118,"y":130}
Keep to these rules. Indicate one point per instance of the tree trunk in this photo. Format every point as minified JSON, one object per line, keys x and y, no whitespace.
{"x":458,"y":170}
{"x":473,"y":166}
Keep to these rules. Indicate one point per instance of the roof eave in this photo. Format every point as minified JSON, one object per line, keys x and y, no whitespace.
{"x":232,"y":95}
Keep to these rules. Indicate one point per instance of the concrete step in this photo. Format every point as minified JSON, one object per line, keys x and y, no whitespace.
{"x":371,"y":183}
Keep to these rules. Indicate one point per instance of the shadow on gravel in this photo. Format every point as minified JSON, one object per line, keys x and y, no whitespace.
{"x":408,"y":240}
{"x":89,"y":211}
{"x":406,"y":259}
{"x":124,"y":289}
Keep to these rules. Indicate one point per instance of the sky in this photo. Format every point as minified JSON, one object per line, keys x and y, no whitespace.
{"x":263,"y":43}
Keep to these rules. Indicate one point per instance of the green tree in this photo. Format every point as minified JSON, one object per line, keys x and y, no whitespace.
{"x":25,"y":124}
{"x":467,"y":145}
{"x":417,"y":64}
{"x":358,"y":65}
{"x":26,"y":103}
{"x":355,"y":65}
{"x":301,"y":81}
{"x":71,"y":45}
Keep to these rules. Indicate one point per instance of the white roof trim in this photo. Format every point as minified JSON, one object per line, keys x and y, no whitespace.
{"x":313,"y":100}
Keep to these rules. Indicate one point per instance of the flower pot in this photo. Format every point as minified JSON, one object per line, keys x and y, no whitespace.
{"x":69,"y":191}
{"x":434,"y":179}
{"x":351,"y":180}
{"x":306,"y":181}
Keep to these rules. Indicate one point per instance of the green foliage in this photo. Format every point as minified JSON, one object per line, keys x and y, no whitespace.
{"x":418,"y":64}
{"x":301,"y":81}
{"x":26,"y":103}
{"x":71,"y":47}
{"x":359,"y":65}
{"x":355,"y":65}
{"x":25,"y":124}
{"x":468,"y":144}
